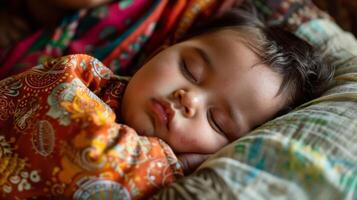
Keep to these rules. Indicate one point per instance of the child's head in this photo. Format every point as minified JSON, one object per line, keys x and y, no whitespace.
{"x":232,"y":75}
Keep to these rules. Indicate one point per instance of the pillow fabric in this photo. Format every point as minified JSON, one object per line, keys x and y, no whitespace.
{"x":309,"y":153}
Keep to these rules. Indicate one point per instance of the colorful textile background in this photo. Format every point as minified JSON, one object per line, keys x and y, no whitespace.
{"x":120,"y":34}
{"x":59,"y":137}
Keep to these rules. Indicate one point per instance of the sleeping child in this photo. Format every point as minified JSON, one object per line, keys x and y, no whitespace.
{"x":71,"y":129}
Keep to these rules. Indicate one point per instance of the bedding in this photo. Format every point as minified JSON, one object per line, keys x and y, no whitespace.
{"x":59,"y":137}
{"x":309,"y":153}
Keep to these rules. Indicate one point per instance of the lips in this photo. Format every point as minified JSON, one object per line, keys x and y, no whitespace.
{"x":163,"y":112}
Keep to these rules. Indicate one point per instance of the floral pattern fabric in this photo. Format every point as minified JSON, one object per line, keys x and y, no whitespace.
{"x":59,"y":136}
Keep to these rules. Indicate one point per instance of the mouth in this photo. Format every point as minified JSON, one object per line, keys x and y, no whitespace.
{"x":163,"y":112}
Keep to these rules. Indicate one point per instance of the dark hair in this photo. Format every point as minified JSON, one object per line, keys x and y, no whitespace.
{"x":304,"y":71}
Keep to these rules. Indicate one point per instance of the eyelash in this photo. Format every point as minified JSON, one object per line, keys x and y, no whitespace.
{"x":187,"y":73}
{"x":213,"y":123}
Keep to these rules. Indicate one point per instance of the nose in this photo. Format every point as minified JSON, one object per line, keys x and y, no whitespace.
{"x":189,"y":102}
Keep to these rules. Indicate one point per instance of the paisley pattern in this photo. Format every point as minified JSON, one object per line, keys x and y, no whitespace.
{"x":62,"y":92}
{"x":24,"y":114}
{"x":43,"y":138}
{"x":100,"y":189}
{"x":9,"y":88}
{"x":38,"y":80}
{"x":59,"y":139}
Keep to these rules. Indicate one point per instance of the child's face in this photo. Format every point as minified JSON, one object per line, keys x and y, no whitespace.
{"x":202,"y":93}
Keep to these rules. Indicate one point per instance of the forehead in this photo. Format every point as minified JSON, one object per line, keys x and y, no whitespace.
{"x":228,"y":55}
{"x":227,"y":47}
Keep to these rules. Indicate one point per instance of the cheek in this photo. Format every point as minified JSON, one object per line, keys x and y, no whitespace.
{"x":183,"y":139}
{"x":162,"y":68}
{"x":156,"y":84}
{"x":195,"y":137}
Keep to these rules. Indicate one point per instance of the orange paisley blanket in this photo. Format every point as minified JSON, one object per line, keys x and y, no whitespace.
{"x":60,"y":137}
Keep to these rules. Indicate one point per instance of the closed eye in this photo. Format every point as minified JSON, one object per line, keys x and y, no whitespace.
{"x":186,"y":72}
{"x":214,"y":124}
